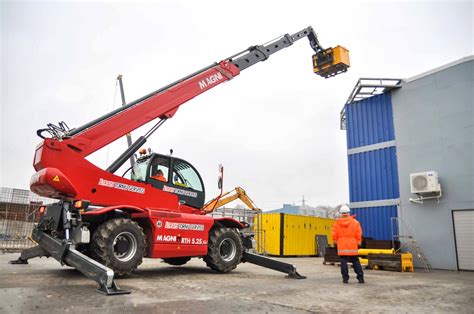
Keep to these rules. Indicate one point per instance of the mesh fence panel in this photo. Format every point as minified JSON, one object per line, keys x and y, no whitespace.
{"x":18,"y":212}
{"x":243,"y":215}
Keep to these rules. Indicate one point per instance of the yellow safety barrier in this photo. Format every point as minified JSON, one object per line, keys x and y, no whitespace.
{"x":407,"y":262}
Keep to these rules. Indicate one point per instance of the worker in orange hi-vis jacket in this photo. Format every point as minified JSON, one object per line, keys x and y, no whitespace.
{"x":159,"y":176}
{"x":347,"y":235}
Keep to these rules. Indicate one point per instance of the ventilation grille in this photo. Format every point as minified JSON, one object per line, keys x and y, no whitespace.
{"x":420,"y":183}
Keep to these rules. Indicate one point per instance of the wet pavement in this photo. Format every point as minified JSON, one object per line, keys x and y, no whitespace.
{"x":44,"y":286}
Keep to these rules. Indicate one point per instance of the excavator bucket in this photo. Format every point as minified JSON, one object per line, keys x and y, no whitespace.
{"x":331,"y":62}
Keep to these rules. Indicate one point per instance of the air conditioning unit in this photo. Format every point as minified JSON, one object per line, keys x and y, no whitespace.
{"x":424,"y":183}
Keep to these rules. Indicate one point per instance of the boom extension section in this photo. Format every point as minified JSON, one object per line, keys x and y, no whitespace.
{"x":326,"y":62}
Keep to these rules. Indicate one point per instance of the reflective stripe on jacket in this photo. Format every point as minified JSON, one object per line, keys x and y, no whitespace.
{"x":347,"y":232}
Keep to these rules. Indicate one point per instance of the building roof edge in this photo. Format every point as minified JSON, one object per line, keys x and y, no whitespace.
{"x":440,"y":68}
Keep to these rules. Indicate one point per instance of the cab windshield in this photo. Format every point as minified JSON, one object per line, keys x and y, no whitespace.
{"x":184,"y":175}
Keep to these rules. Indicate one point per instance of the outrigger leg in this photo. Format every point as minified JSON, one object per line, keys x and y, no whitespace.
{"x":272,"y":264}
{"x":65,"y":253}
{"x":26,"y":254}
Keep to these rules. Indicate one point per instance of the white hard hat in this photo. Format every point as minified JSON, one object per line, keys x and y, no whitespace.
{"x":344,"y":209}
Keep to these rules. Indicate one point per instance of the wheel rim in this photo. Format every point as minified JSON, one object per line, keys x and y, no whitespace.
{"x":125,"y":246}
{"x":228,"y":249}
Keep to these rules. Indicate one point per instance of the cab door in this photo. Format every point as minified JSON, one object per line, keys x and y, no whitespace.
{"x":158,"y":170}
{"x":174,"y":175}
{"x":186,"y":183}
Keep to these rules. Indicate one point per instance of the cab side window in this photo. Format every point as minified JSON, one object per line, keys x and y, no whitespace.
{"x":185,"y":176}
{"x":159,"y":169}
{"x":138,"y":172}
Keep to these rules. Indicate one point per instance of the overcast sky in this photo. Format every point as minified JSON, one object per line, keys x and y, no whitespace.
{"x":275,"y":127}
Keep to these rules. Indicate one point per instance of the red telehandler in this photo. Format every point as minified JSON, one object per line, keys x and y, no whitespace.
{"x":105,"y":224}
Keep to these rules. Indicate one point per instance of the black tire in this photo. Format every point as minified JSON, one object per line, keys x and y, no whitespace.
{"x":177,"y":261}
{"x":224,"y":249}
{"x":120,"y":245}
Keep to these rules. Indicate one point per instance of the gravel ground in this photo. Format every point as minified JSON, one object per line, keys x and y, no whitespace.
{"x":44,"y":286}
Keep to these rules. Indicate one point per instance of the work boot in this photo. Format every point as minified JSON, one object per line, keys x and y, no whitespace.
{"x":345,"y":281}
{"x":362,"y":280}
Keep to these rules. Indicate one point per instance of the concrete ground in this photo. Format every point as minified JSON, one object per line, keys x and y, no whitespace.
{"x":44,"y":286}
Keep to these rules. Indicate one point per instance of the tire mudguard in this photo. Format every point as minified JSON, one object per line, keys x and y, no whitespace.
{"x":230,"y":223}
{"x":104,"y":210}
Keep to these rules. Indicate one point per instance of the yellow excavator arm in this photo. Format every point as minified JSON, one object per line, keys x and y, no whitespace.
{"x":226,"y":198}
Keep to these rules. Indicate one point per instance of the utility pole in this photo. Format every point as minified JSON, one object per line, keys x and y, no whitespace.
{"x":129,"y":135}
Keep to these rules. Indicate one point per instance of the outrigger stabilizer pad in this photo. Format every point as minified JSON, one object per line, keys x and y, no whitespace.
{"x":18,"y":261}
{"x":272,"y":264}
{"x":36,"y":251}
{"x":295,"y":275}
{"x":113,"y":290}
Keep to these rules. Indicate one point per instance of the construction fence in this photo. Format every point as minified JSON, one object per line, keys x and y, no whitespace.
{"x":245,"y":215}
{"x":18,"y":212}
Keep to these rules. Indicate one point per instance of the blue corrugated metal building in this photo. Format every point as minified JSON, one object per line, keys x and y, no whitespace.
{"x":400,"y":130}
{"x":372,"y":162}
